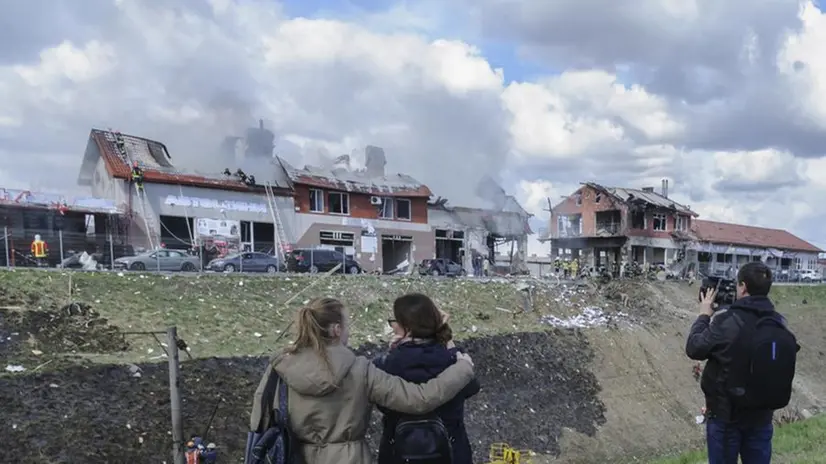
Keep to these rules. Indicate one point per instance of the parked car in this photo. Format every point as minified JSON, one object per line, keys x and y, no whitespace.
{"x":441,"y":266}
{"x":314,"y":260}
{"x":246,"y":262}
{"x":164,"y":260}
{"x":810,"y":275}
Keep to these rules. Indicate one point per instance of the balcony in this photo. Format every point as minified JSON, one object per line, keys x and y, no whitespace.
{"x":608,"y":229}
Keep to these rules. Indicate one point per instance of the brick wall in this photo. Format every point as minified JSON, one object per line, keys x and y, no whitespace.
{"x":360,"y":206}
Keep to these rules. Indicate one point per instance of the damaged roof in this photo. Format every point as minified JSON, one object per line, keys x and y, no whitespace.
{"x":397,"y":185}
{"x":628,"y":195}
{"x":56,"y":201}
{"x":154,"y":159}
{"x":750,"y":236}
{"x":501,"y":223}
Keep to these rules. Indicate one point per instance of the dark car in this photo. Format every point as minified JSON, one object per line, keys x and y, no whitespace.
{"x":441,"y":266}
{"x":246,"y":262}
{"x":314,"y":260}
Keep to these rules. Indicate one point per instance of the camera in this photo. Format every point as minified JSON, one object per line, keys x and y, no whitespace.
{"x":726,"y":290}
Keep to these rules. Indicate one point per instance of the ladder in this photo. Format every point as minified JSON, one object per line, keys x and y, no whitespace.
{"x":280,"y":234}
{"x":147,"y":221}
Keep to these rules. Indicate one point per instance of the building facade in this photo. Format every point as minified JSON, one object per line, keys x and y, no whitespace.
{"x":608,"y":226}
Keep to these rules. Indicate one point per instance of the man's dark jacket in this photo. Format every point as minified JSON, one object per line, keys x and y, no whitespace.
{"x":712,"y":339}
{"x":419,"y":362}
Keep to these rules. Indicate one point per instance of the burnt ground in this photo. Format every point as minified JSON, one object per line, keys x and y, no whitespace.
{"x":533,"y":385}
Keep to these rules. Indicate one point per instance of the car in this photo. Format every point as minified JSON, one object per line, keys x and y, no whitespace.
{"x":315,"y":260}
{"x":246,"y":262}
{"x":161,"y":260}
{"x":810,"y":275}
{"x":441,"y":266}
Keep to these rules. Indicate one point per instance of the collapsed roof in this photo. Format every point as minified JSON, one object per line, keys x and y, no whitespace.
{"x":642,"y":198}
{"x":356,"y":181}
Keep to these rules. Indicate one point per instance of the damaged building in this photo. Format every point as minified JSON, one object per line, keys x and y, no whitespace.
{"x":609,"y":226}
{"x":380,"y":219}
{"x":498,"y":232}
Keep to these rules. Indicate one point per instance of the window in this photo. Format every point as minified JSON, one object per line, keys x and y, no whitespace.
{"x":682,"y":223}
{"x":387,"y":208}
{"x":578,"y":199}
{"x":638,"y":220}
{"x":598,"y":198}
{"x":175,"y":254}
{"x":660,"y":222}
{"x":339,"y":203}
{"x":403,"y":209}
{"x":316,"y":201}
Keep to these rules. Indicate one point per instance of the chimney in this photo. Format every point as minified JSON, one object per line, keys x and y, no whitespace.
{"x":665,"y":188}
{"x":261,"y":124}
{"x":648,"y":189}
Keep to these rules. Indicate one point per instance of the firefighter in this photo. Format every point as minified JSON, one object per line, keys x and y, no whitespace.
{"x":137,"y":175}
{"x":40,"y":250}
{"x":575,"y":269}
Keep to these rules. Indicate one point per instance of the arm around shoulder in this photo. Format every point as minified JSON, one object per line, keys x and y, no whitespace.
{"x":405,"y":397}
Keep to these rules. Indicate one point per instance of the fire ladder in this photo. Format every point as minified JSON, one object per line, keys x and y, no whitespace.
{"x":281,"y":241}
{"x":141,"y":193}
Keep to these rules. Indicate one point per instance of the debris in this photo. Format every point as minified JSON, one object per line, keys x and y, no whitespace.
{"x":15,"y":368}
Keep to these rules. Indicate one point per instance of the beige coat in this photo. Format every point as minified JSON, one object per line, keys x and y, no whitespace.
{"x":330,"y":411}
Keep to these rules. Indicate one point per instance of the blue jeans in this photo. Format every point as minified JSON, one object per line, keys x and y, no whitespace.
{"x":726,"y":441}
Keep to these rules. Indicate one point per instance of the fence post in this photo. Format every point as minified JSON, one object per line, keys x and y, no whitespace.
{"x":111,"y":252}
{"x":241,"y":262}
{"x":175,"y":396}
{"x":60,"y":242}
{"x":343,"y":261}
{"x":6,"y":245}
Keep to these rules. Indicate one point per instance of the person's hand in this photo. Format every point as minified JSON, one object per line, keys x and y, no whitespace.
{"x":464,"y":357}
{"x":707,"y":302}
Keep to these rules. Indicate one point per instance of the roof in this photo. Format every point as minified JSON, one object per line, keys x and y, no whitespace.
{"x":759,"y":237}
{"x":154,"y":159}
{"x":28,"y":199}
{"x":629,"y":195}
{"x":397,"y":185}
{"x":501,"y":223}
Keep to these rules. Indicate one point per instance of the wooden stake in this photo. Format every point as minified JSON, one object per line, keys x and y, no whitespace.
{"x":175,"y":396}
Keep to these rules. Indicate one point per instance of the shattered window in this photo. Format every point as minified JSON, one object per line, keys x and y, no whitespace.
{"x":579,"y":199}
{"x":660,"y":222}
{"x":339,"y":203}
{"x":316,"y":201}
{"x":387,"y":208}
{"x":403,"y":209}
{"x":638,"y":220}
{"x":682,"y":223}
{"x":597,"y":198}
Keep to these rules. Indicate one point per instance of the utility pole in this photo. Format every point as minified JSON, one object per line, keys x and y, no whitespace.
{"x":175,"y":396}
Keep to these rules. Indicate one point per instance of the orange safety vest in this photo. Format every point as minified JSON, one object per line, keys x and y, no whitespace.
{"x":39,"y":249}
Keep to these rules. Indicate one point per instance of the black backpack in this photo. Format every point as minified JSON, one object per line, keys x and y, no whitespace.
{"x":762,"y":370}
{"x":421,"y":440}
{"x":275,"y":444}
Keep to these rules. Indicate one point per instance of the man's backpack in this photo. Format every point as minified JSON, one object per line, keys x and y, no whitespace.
{"x":421,"y":440}
{"x":762,"y":370}
{"x":275,"y":444}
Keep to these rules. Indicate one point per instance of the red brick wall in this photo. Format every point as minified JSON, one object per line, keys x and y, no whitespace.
{"x":360,"y":206}
{"x":588,"y":209}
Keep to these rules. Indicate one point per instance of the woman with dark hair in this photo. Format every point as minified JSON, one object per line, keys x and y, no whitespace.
{"x":422,"y":348}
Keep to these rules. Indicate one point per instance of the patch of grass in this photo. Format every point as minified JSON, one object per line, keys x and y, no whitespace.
{"x":795,"y":443}
{"x":799,"y":297}
{"x":231,"y":315}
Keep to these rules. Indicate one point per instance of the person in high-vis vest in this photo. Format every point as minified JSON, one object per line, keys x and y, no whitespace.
{"x":137,"y":175}
{"x":40,"y":250}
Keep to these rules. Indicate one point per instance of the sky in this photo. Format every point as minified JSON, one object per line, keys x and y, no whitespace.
{"x":724,"y":98}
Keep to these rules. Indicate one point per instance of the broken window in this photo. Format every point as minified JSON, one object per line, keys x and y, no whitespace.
{"x":316,"y":201}
{"x":597,"y":198}
{"x":387,"y":208}
{"x":638,"y":219}
{"x":569,"y":226}
{"x":339,"y":203}
{"x":403,"y":209}
{"x":682,"y":223}
{"x":578,"y":199}
{"x":660,"y":222}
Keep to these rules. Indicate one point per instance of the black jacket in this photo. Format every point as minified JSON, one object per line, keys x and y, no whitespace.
{"x":419,"y":362}
{"x":711,"y":339}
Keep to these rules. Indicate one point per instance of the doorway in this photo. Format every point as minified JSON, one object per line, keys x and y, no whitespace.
{"x":395,"y":252}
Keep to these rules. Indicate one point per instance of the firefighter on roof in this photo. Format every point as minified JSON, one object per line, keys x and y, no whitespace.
{"x":39,"y":250}
{"x":137,"y":175}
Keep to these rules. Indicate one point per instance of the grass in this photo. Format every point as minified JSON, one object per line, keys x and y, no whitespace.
{"x":796,"y":443}
{"x":231,"y":315}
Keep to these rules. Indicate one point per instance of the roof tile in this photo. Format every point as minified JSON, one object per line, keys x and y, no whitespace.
{"x":737,"y":234}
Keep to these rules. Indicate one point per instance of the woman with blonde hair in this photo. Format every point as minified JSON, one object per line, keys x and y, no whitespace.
{"x":331,"y":390}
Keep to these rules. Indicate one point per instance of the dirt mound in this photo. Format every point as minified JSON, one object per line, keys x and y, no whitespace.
{"x":74,"y":328}
{"x":533,"y":385}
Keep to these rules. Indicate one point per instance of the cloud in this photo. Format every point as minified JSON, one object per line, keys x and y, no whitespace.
{"x":728,"y":111}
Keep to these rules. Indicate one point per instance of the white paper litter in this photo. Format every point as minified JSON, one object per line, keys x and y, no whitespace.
{"x":589,"y":317}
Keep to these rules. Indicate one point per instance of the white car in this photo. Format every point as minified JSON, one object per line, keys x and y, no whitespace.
{"x":808,"y":275}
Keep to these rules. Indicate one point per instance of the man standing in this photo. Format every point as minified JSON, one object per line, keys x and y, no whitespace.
{"x":40,"y":250}
{"x":751,"y":358}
